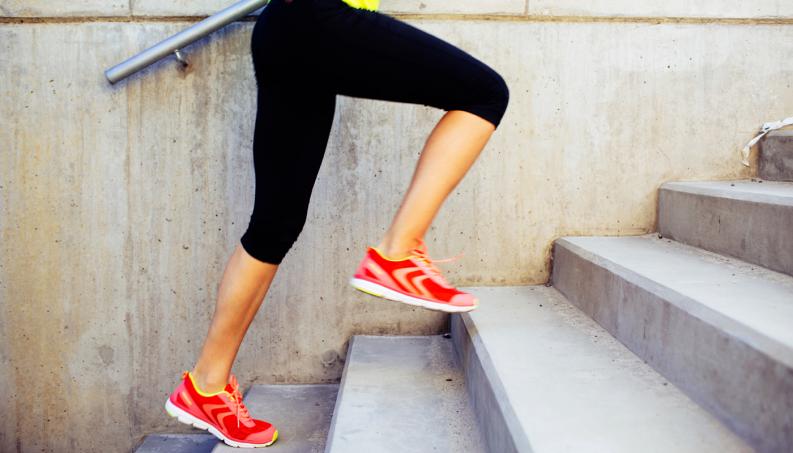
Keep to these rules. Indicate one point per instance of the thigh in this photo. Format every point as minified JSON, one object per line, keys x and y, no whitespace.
{"x":293,"y":121}
{"x":369,"y":54}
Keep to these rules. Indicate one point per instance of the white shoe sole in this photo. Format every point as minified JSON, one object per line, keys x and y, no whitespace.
{"x":388,"y":293}
{"x":189,"y":419}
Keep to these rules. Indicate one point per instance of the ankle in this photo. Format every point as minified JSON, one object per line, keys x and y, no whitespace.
{"x":205,"y":384}
{"x":395,"y":249}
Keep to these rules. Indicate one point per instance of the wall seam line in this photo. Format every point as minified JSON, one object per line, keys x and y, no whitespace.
{"x":437,"y":17}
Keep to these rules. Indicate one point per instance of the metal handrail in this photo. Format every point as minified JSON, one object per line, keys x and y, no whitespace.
{"x":187,"y":36}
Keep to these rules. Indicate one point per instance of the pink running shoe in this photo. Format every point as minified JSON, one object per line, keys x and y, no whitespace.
{"x":222,"y":413}
{"x":413,"y":280}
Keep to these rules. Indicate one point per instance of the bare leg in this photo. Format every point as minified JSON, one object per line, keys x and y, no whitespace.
{"x":449,"y":152}
{"x":243,"y":287}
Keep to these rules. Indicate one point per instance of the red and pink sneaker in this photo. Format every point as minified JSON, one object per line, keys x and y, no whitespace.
{"x":412,"y":280}
{"x":221,"y":413}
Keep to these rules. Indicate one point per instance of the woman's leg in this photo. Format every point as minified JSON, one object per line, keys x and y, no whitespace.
{"x":243,"y":287}
{"x":293,"y":122}
{"x":449,"y":152}
{"x":372,"y":55}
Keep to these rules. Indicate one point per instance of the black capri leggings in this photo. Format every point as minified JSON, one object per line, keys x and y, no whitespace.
{"x":304,"y":54}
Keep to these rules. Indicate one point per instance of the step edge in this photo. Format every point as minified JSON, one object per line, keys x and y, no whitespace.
{"x":339,"y":396}
{"x":752,"y":337}
{"x":689,"y":187}
{"x":754,"y":433}
{"x":604,"y":331}
{"x":518,"y":435}
{"x":671,"y":202}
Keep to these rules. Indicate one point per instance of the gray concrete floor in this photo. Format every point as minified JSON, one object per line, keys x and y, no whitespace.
{"x":301,"y":413}
{"x":178,"y":443}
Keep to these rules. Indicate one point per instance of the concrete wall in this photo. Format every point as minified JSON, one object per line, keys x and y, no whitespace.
{"x":119,"y":205}
{"x":605,"y":8}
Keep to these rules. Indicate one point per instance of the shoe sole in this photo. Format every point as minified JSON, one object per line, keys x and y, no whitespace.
{"x":189,"y":419}
{"x":378,"y":290}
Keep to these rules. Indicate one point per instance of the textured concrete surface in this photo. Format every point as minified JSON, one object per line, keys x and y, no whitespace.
{"x":178,"y":443}
{"x":119,"y":205}
{"x":598,"y":8}
{"x":670,"y":8}
{"x":199,"y":7}
{"x":569,"y":386}
{"x":776,"y":156}
{"x":750,"y":220}
{"x":301,"y":413}
{"x":717,"y":327}
{"x":402,"y":394}
{"x":61,"y":8}
{"x":64,"y":8}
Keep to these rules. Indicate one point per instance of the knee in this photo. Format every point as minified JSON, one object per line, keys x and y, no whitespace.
{"x":498,"y":96}
{"x":269,"y":241}
{"x":487,"y":97}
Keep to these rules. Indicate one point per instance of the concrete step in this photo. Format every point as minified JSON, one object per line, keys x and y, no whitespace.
{"x":178,"y":443}
{"x":750,"y":220}
{"x":401,"y":394}
{"x":545,"y":378}
{"x":301,"y":413}
{"x":719,"y":328}
{"x":776,"y":156}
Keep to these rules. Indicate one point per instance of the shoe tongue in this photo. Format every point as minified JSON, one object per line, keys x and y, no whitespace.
{"x":232,"y":384}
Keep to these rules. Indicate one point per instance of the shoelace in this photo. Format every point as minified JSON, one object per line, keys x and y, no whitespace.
{"x":767,"y":127}
{"x":241,"y":410}
{"x":421,"y":253}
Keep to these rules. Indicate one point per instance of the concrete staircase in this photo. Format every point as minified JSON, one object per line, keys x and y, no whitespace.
{"x":677,"y":341}
{"x":718,"y":328}
{"x":544,"y":377}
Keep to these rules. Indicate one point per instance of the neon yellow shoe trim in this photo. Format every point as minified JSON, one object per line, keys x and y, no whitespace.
{"x":368,"y":292}
{"x":387,"y":258}
{"x":201,"y":392}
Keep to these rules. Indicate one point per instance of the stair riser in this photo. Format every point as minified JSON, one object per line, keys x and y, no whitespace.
{"x":400,"y":394}
{"x":758,"y":233}
{"x":776,"y":157}
{"x":501,"y":430}
{"x":749,"y":392}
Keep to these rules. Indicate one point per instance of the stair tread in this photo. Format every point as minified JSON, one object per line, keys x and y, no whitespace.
{"x":772,"y":192}
{"x":300,"y":412}
{"x":572,"y":387}
{"x":395,"y":396}
{"x":751,"y":302}
{"x":177,"y":443}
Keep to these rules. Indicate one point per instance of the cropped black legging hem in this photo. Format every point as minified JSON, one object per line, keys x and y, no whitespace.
{"x":307,"y":52}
